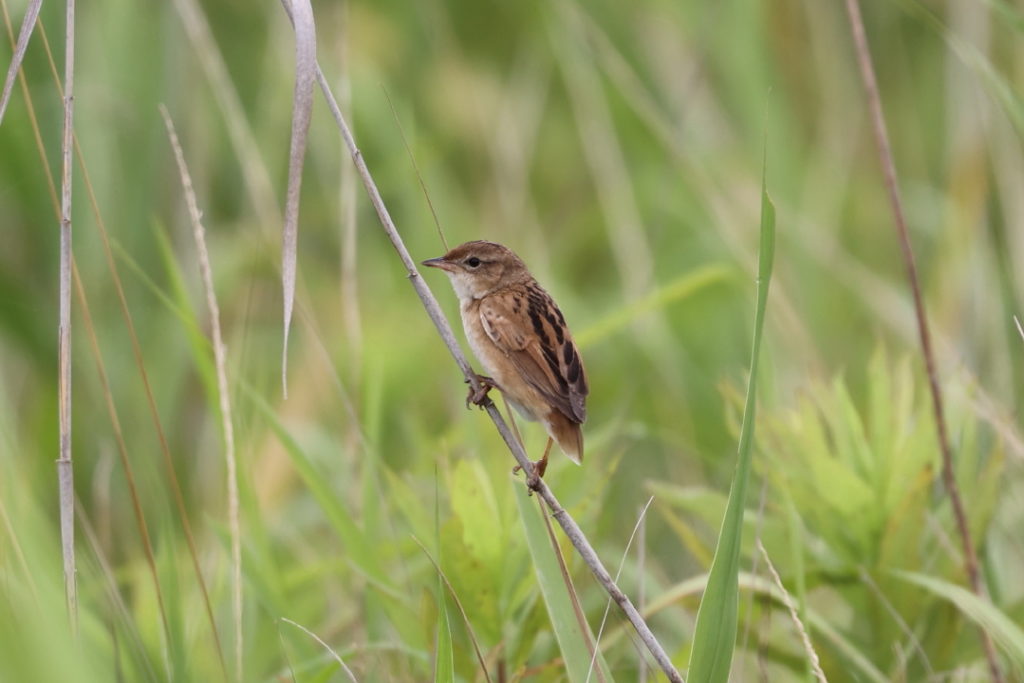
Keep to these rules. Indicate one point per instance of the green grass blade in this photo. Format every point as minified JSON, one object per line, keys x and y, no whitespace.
{"x":686,"y":285}
{"x":571,"y":640}
{"x":714,"y":636}
{"x":444,"y":663}
{"x":1007,"y":635}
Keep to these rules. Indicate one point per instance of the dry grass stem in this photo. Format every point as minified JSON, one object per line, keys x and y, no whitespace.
{"x":137,"y":354}
{"x":416,"y":168}
{"x":787,"y":600}
{"x":255,"y":176}
{"x":574,"y":597}
{"x":122,"y":450}
{"x":637,"y":534}
{"x":458,"y":603}
{"x":65,"y":471}
{"x":444,"y":329}
{"x":337,"y":658}
{"x":1020,"y":329}
{"x":27,"y":24}
{"x":220,"y":361}
{"x":885,"y":156}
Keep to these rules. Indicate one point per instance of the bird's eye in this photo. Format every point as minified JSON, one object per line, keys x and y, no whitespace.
{"x":473,"y":262}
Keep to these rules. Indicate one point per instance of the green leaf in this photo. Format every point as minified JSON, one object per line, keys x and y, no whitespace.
{"x":571,"y":640}
{"x":714,"y":637}
{"x":1007,"y":635}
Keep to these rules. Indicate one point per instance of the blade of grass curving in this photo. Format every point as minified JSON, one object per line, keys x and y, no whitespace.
{"x":682,"y":287}
{"x":27,"y":24}
{"x":714,"y":636}
{"x":790,"y":604}
{"x":65,"y":470}
{"x":254,"y":174}
{"x":1004,"y":631}
{"x":138,"y":651}
{"x":572,"y":640}
{"x":301,"y":13}
{"x":337,"y":658}
{"x":888,"y":164}
{"x":637,"y":534}
{"x":416,"y":168}
{"x":1020,"y":329}
{"x":220,"y":361}
{"x":458,"y":603}
{"x":361,"y":553}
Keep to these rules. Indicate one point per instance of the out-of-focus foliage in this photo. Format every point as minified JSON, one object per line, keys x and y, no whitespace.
{"x":617,"y":148}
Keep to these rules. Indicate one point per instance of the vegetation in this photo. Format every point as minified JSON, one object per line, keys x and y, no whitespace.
{"x":618,"y":148}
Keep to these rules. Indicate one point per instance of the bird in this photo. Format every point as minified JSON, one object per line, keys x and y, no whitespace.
{"x":519,"y":335}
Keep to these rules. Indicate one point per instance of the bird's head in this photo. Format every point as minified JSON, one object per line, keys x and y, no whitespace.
{"x":478,"y":268}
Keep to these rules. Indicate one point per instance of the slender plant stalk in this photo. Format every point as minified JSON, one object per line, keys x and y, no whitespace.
{"x":220,"y":360}
{"x":65,"y":471}
{"x":462,"y":610}
{"x":867,"y":72}
{"x":790,"y":604}
{"x":568,"y":524}
{"x":344,"y":667}
{"x":137,"y":352}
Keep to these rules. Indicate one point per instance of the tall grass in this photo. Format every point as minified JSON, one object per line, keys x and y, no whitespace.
{"x":617,"y":148}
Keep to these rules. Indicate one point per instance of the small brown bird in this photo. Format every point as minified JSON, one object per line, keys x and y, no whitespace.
{"x":520,"y":337}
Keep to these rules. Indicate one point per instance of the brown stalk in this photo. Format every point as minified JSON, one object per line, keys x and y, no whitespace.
{"x":867,"y":72}
{"x":122,"y":449}
{"x":65,"y":470}
{"x":577,"y":609}
{"x":137,"y":352}
{"x":568,"y":524}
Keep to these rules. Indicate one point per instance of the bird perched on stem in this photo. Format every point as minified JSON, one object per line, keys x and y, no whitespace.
{"x":520,"y":337}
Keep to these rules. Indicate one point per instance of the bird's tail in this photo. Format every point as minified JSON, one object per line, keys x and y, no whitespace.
{"x":567,"y":434}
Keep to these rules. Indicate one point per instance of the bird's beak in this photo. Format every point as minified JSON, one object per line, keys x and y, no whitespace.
{"x":439,"y":262}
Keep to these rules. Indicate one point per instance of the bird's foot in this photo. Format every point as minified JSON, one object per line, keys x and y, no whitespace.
{"x":478,"y":397}
{"x":537,"y":470}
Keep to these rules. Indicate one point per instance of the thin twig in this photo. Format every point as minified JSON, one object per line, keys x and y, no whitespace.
{"x":337,"y":658}
{"x":458,"y":603}
{"x":416,"y":168}
{"x":574,"y":598}
{"x":433,"y":309}
{"x":787,"y":600}
{"x":641,"y":591}
{"x":638,"y":534}
{"x":867,"y":72}
{"x":122,"y":449}
{"x":65,"y":471}
{"x":220,"y":361}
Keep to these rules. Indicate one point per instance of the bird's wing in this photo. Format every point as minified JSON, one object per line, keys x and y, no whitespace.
{"x":528,"y":327}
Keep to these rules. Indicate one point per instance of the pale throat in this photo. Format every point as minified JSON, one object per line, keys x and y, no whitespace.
{"x":464,"y":287}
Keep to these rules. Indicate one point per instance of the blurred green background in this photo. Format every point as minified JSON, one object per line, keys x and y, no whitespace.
{"x":617,"y":147}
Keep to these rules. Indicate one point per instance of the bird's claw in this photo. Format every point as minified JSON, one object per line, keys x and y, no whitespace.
{"x":537,"y":470}
{"x":478,"y":397}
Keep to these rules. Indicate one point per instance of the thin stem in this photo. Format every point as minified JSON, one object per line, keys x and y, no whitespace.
{"x":568,"y":524}
{"x":220,"y":361}
{"x":867,"y":72}
{"x":65,"y":471}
